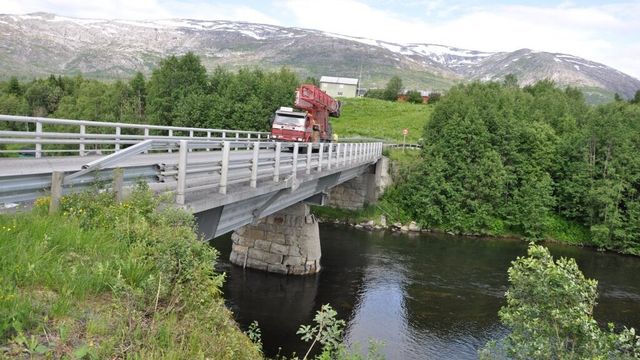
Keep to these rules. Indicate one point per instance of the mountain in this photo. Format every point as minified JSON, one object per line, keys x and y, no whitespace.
{"x":39,"y":44}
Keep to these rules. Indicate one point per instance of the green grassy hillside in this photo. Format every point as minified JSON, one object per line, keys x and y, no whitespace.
{"x":106,"y":280}
{"x":363,"y":117}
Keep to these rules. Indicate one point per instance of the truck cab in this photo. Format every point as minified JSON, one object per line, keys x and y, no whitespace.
{"x":291,"y":126}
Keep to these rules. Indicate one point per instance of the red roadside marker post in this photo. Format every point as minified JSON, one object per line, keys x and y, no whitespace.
{"x":405,"y":132}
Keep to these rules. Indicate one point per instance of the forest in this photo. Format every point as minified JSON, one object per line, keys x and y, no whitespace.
{"x":179,"y":92}
{"x":536,"y":161}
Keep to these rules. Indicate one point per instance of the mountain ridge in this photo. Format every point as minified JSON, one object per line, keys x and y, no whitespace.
{"x":39,"y":44}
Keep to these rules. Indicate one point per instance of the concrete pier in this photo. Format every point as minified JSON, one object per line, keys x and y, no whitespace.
{"x":287,"y":242}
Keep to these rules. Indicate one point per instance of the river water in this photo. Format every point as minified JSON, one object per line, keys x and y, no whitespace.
{"x":426,"y":296}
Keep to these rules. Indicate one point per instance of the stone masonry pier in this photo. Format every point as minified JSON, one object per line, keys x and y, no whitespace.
{"x":362,"y":190}
{"x":287,"y":242}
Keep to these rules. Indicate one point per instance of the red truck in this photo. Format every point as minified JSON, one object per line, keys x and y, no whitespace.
{"x":311,"y":124}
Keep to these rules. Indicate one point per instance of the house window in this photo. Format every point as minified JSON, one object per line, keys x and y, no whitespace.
{"x":339,"y":93}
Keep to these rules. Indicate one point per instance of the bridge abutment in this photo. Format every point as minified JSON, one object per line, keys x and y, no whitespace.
{"x":287,"y":242}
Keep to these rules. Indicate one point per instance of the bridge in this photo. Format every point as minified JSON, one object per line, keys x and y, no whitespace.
{"x":231,"y":180}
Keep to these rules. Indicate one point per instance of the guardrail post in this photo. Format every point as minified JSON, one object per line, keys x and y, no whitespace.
{"x":329,"y":157}
{"x":338,"y":149}
{"x":294,"y":162}
{"x":254,"y":165}
{"x":190,"y":135}
{"x":146,"y":136}
{"x":182,"y":172}
{"x":38,"y":144}
{"x":56,"y":191}
{"x":118,"y":183}
{"x":320,"y":153}
{"x":224,"y":168}
{"x":276,"y":165}
{"x":351,"y":153}
{"x":81,"y":146}
{"x":208,"y":138}
{"x":117,"y":138}
{"x":344,"y":155}
{"x":170,"y":135}
{"x":309,"y":150}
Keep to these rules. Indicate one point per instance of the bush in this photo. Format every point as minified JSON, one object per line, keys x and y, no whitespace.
{"x":414,"y":97}
{"x":550,"y":314}
{"x":104,"y":279}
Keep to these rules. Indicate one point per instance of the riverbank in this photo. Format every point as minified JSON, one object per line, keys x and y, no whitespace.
{"x":102,"y":279}
{"x":375,"y":218}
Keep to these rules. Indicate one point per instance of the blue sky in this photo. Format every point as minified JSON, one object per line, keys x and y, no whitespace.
{"x":603,"y":31}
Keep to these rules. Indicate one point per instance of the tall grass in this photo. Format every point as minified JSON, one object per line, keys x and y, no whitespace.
{"x":112,"y":280}
{"x":366,"y":117}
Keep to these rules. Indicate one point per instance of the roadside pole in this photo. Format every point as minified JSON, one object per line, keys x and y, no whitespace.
{"x":405,"y":131}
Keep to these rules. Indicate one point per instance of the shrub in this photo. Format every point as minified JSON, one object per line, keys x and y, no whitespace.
{"x":550,"y":313}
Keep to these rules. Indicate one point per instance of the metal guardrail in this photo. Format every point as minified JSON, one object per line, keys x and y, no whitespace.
{"x":403,"y":146}
{"x":386,"y":143}
{"x":216,"y":166}
{"x":85,"y":137}
{"x":268,"y":163}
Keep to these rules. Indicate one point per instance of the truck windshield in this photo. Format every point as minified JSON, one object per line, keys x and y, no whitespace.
{"x":283,"y":119}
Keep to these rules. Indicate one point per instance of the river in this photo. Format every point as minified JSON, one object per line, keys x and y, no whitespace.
{"x":425,"y":296}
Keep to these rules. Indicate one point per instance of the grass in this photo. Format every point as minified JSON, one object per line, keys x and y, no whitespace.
{"x":364,"y":117}
{"x":112,"y":280}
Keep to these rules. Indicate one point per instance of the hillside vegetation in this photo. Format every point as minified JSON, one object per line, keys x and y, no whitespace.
{"x":535,"y":161}
{"x":365,"y":117}
{"x":107,"y":280}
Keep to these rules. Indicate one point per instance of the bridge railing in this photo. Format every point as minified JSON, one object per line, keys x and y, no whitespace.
{"x":403,"y":146}
{"x":268,"y":162}
{"x":84,"y":137}
{"x":201,"y":165}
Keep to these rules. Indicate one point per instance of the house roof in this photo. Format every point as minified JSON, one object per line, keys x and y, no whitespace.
{"x":339,"y":80}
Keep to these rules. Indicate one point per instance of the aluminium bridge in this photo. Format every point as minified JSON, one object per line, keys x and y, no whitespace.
{"x":227,"y":178}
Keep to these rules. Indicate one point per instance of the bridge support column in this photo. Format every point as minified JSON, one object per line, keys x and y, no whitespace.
{"x":287,"y":242}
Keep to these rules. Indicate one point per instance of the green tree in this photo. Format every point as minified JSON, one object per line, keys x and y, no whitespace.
{"x":139,"y":89}
{"x":14,"y":87}
{"x":414,"y":96}
{"x":375,"y":94}
{"x":393,"y":89}
{"x":312,"y":80}
{"x":43,"y":97}
{"x":434,"y":97}
{"x":11,"y":104}
{"x":549,"y":311}
{"x":511,"y":80}
{"x":636,"y":98}
{"x":170,"y":82}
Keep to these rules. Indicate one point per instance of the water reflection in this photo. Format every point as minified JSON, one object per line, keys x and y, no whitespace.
{"x":426,"y":296}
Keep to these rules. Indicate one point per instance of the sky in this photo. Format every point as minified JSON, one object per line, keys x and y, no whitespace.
{"x":602,"y":31}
